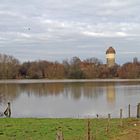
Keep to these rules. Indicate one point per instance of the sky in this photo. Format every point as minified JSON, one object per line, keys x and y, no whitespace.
{"x":55,"y":30}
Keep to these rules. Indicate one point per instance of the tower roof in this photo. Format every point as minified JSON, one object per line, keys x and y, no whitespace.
{"x":110,"y":50}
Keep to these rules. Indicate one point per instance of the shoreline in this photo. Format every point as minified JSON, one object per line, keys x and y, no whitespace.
{"x":22,"y":81}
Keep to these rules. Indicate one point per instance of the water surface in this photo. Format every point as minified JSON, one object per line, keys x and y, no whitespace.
{"x":70,"y":99}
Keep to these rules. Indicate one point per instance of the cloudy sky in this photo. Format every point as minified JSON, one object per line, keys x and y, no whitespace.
{"x":60,"y":29}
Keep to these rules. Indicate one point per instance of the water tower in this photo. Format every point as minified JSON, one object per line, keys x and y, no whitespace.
{"x":110,"y":57}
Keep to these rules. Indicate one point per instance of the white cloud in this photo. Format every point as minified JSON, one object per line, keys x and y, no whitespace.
{"x":55,"y":23}
{"x":9,"y":13}
{"x":24,"y":35}
{"x":132,"y":52}
{"x":105,"y":34}
{"x":66,"y":25}
{"x":94,"y":34}
{"x":121,"y":34}
{"x":116,"y":3}
{"x":2,"y":38}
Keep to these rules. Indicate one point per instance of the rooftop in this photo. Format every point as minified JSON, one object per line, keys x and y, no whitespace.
{"x":110,"y":50}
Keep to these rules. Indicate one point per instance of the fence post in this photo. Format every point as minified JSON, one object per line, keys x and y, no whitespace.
{"x":59,"y":135}
{"x":138,"y":110}
{"x":89,"y":134}
{"x":108,"y":123}
{"x":88,"y":130}
{"x":121,"y":117}
{"x":129,"y":111}
{"x":7,"y":112}
{"x":109,"y":116}
{"x":120,"y":113}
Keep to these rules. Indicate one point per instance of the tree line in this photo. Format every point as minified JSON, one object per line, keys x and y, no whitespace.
{"x":75,"y":68}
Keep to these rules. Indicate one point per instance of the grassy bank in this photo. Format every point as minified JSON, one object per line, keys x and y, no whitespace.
{"x":73,"y":129}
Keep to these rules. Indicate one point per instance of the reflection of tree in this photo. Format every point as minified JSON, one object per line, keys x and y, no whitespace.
{"x":89,"y":90}
{"x":74,"y":90}
{"x":93,"y":90}
{"x":110,"y":89}
{"x":8,"y":92}
{"x":70,"y":90}
{"x":42,"y":89}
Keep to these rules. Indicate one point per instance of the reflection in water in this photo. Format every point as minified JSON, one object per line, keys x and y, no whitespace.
{"x":110,"y":89}
{"x":86,"y":90}
{"x":8,"y":92}
{"x":74,"y":90}
{"x":42,"y":89}
{"x":67,"y":99}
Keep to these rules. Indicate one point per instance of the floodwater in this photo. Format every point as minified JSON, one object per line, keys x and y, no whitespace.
{"x":77,"y":99}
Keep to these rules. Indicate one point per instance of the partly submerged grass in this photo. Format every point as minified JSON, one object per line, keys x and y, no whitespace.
{"x":73,"y":129}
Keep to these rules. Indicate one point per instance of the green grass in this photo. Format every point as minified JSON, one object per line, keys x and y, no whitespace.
{"x":45,"y":129}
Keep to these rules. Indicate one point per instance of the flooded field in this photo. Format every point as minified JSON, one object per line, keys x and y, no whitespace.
{"x":68,"y":98}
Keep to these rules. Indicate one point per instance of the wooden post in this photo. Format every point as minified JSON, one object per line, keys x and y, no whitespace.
{"x":120,"y":113}
{"x":109,"y":116}
{"x":88,"y":130}
{"x":108,"y":124}
{"x":7,"y":112}
{"x":97,"y":116}
{"x":121,"y":117}
{"x":138,"y":110}
{"x":59,"y":135}
{"x":89,"y":134}
{"x":129,"y":114}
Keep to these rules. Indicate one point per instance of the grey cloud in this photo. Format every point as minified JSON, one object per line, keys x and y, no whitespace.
{"x":63,"y":26}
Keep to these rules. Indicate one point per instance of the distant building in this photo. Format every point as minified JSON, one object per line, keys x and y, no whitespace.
{"x":135,"y":60}
{"x":110,"y":57}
